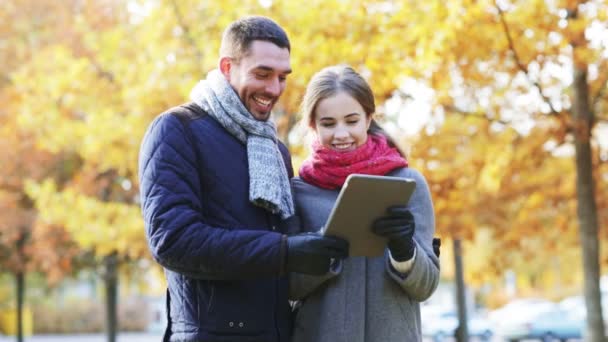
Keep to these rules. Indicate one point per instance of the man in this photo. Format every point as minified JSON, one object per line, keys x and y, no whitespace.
{"x":215,"y":190}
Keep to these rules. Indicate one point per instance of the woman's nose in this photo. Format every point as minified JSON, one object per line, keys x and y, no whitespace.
{"x":340,"y":132}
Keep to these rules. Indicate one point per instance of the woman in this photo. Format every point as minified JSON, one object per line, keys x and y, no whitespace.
{"x":361,"y":299}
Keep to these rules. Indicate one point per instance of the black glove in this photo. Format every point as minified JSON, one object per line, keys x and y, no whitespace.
{"x":311,"y":253}
{"x":398,"y":227}
{"x":437,"y":246}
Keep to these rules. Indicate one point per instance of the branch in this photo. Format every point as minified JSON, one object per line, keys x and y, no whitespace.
{"x":186,"y":28}
{"x":520,"y":65}
{"x":102,"y":72}
{"x":5,"y":79}
{"x":601,"y":93}
{"x":10,"y":188}
{"x":476,"y":115}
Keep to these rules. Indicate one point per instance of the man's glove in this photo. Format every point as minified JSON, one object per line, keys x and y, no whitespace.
{"x":398,"y":227}
{"x":311,"y":253}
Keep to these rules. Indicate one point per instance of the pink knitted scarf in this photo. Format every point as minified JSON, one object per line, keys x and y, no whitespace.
{"x":328,"y":169}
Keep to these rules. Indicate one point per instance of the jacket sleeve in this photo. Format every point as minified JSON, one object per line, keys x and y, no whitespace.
{"x":422,"y":279}
{"x":302,"y":285}
{"x":178,"y":236}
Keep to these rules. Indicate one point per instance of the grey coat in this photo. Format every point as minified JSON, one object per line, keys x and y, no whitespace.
{"x":364,"y":299}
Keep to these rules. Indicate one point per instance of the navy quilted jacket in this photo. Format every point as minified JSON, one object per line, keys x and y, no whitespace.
{"x":223,"y":257}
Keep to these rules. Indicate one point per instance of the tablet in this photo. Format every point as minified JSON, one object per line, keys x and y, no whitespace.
{"x":363,"y":199}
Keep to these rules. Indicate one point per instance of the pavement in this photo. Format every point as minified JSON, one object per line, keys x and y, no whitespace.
{"x":122,"y":337}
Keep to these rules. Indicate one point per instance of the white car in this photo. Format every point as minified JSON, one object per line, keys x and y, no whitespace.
{"x":545,"y":326}
{"x":517,"y":317}
{"x":443,"y":325}
{"x":520,"y":310}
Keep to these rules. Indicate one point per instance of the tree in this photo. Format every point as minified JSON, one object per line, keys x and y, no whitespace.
{"x":495,"y":69}
{"x":55,"y":106}
{"x":540,"y":37}
{"x":27,"y":245}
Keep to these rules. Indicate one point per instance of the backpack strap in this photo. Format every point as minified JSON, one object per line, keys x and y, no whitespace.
{"x":186,"y":113}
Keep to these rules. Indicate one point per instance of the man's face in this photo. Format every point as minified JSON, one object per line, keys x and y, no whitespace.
{"x":259,"y":78}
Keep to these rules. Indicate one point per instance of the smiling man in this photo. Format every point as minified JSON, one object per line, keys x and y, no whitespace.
{"x":258,"y":77}
{"x":215,"y":192}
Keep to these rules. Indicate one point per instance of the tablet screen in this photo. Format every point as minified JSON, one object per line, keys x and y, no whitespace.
{"x":363,"y":199}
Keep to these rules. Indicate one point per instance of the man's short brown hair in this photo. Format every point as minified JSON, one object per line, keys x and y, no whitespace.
{"x":239,"y":35}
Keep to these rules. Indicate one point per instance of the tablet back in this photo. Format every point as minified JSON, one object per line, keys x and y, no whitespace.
{"x":363,"y":199}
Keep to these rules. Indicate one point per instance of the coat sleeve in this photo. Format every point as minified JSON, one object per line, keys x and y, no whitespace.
{"x":422,"y":279}
{"x":178,"y":236}
{"x":302,"y":285}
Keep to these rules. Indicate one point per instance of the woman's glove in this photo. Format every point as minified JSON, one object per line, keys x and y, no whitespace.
{"x":398,"y":227}
{"x":437,"y":246}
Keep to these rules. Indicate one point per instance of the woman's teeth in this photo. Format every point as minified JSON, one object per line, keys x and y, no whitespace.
{"x":342,"y":146}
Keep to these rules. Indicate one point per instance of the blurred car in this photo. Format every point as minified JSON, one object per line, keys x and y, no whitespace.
{"x":544,"y":325}
{"x":576,"y":305}
{"x":443,"y":325}
{"x":520,"y":309}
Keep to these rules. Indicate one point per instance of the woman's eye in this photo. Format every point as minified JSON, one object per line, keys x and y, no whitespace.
{"x":352,"y":122}
{"x":327,"y":124}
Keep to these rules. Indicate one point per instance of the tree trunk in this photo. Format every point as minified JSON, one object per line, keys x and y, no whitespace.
{"x":111,"y":285}
{"x":462,"y":332}
{"x":20,"y":288}
{"x":586,"y":206}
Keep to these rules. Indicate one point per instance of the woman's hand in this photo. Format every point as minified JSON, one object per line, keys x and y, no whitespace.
{"x":398,"y":227}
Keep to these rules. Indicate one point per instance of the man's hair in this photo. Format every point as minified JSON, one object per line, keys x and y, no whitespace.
{"x":239,"y":35}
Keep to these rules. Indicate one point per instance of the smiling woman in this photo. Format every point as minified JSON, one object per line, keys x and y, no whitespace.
{"x":341,"y":122}
{"x":369,"y":299}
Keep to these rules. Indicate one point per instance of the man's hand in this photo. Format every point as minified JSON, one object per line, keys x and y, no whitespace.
{"x":311,"y":253}
{"x":398,"y":227}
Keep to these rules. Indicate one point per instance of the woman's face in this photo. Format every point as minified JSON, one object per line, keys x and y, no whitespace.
{"x":341,"y":123}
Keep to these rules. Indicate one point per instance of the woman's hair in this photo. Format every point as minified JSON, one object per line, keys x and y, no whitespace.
{"x":332,"y":80}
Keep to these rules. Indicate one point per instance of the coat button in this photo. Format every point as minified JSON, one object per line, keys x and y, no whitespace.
{"x":231,"y":324}
{"x":241,"y":324}
{"x":274,"y":227}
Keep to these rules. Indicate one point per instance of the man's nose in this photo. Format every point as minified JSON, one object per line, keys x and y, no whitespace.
{"x":273,"y":87}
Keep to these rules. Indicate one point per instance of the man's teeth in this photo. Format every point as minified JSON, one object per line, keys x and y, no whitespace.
{"x":262,"y":101}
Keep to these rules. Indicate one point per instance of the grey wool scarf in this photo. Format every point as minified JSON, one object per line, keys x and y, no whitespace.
{"x":268,"y":181}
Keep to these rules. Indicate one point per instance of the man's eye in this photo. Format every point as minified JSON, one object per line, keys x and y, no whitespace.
{"x":258,"y":75}
{"x":282,"y":78}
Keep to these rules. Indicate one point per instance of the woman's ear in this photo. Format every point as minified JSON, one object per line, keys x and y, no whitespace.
{"x":369,"y":118}
{"x":312,"y":125}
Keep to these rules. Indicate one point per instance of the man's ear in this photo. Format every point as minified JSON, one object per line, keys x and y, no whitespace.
{"x":225,"y":66}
